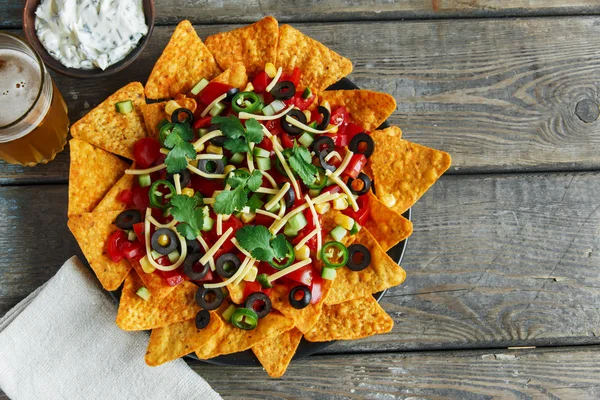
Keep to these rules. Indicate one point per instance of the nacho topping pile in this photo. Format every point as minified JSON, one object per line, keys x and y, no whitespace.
{"x":248,"y":219}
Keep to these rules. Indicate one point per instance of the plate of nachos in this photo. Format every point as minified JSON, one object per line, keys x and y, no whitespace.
{"x":249,"y":203}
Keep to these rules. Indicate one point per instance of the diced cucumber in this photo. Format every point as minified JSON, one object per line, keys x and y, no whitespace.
{"x":263,"y":164}
{"x":275,"y":207}
{"x":287,"y":231}
{"x":338,"y":233}
{"x":145,"y":180}
{"x":228,"y":313}
{"x":131,"y":236}
{"x":297,"y":222}
{"x":306,"y":139}
{"x":237,"y":158}
{"x":124,"y":107}
{"x":155,"y":255}
{"x":355,"y":228}
{"x":143,"y":293}
{"x":247,"y":217}
{"x":268,"y":111}
{"x":208,"y":222}
{"x":173,"y":256}
{"x":217,"y":109}
{"x":328,"y":273}
{"x":199,"y":86}
{"x":258,"y":152}
{"x":278,"y":105}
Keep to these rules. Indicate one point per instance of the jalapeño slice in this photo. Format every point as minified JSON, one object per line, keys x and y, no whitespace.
{"x":245,"y":102}
{"x":334,"y":254}
{"x":160,"y":194}
{"x":244,"y":318}
{"x":286,"y":261}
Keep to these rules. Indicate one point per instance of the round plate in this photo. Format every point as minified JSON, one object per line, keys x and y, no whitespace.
{"x":307,"y":348}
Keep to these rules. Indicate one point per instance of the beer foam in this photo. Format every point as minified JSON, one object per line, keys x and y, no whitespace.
{"x":20,"y":81}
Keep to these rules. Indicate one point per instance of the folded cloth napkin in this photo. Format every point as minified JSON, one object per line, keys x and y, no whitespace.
{"x":61,"y":342}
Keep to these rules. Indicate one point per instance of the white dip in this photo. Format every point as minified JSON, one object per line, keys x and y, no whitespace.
{"x":86,"y":34}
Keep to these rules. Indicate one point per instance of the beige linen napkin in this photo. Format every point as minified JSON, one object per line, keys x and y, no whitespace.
{"x":61,"y":342}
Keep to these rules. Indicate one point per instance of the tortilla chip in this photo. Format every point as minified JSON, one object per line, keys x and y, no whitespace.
{"x":386,"y":225}
{"x":110,"y":130}
{"x":351,"y":320}
{"x":367,"y":109}
{"x":154,"y":283}
{"x":275,"y":353}
{"x":232,"y":340}
{"x":91,"y":174}
{"x":177,"y":340}
{"x":382,"y":273}
{"x":305,"y":318}
{"x":321,"y":67}
{"x":137,"y":314}
{"x":184,"y":61}
{"x":111,"y":202}
{"x":91,"y":230}
{"x":253,"y":45}
{"x":236,"y":292}
{"x":403,"y":171}
{"x":155,"y":113}
{"x":234,"y":76}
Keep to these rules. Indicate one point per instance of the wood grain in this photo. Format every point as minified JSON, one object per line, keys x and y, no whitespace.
{"x":238,"y":11}
{"x":494,"y":261}
{"x":499,"y":95}
{"x":569,"y":373}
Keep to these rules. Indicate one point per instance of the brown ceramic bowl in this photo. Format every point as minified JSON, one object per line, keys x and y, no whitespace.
{"x":51,"y":62}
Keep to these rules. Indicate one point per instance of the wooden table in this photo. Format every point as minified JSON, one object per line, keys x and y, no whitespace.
{"x":505,"y":246}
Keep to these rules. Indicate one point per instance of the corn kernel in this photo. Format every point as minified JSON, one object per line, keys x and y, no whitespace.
{"x":146,"y":266}
{"x":389,"y":200}
{"x":332,"y":128}
{"x":340,"y":203}
{"x":171,"y":106}
{"x":325,"y":104}
{"x":248,"y":217}
{"x":164,"y":240}
{"x":344,"y":221}
{"x":251,"y":274}
{"x":228,"y":169}
{"x":270,"y":70}
{"x":194,"y":163}
{"x":249,"y":87}
{"x":189,"y":192}
{"x":212,"y":149}
{"x":307,"y":114}
{"x":323,"y":208}
{"x":303,"y":253}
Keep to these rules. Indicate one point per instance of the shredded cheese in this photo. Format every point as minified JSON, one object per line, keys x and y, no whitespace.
{"x":211,"y":105}
{"x":344,"y":164}
{"x":325,"y":197}
{"x":219,"y":224}
{"x":278,"y":196}
{"x":305,"y":239}
{"x":281,"y":208}
{"x":211,"y":261}
{"x":346,"y":190}
{"x":244,"y":272}
{"x":288,"y":172}
{"x":158,"y":224}
{"x":277,"y":225}
{"x":267,"y":190}
{"x":209,"y":200}
{"x":333,"y":154}
{"x":210,"y":135}
{"x":249,"y":157}
{"x":156,"y":265}
{"x":211,"y":252}
{"x":275,"y":80}
{"x":177,"y":180}
{"x":145,"y":171}
{"x":240,"y":248}
{"x":288,"y":270}
{"x":204,"y":174}
{"x":317,"y":224}
{"x":306,"y":128}
{"x":164,"y":151}
{"x":209,"y":157}
{"x":230,"y":280}
{"x":245,"y":115}
{"x":273,"y":138}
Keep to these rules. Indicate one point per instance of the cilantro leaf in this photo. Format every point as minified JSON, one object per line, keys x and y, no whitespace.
{"x":187,"y":211}
{"x":177,"y":159}
{"x":236,"y":145}
{"x":238,"y":137}
{"x":236,"y":198}
{"x":260,"y":242}
{"x":301,"y":162}
{"x":255,"y":180}
{"x":230,"y":126}
{"x":254,"y":132}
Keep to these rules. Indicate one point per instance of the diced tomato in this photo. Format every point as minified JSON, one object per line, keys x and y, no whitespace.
{"x":115,"y":245}
{"x":146,"y":151}
{"x":263,"y":220}
{"x":251,"y":287}
{"x":338,"y":139}
{"x":132,"y":250}
{"x":316,"y":288}
{"x":311,"y":222}
{"x":209,"y":277}
{"x":300,"y":102}
{"x":173,"y":278}
{"x":352,"y":130}
{"x":286,"y":140}
{"x":139,"y":232}
{"x":294,"y":77}
{"x":303,"y":275}
{"x":261,"y":81}
{"x":206,"y":186}
{"x":164,"y":261}
{"x":266,"y":144}
{"x":357,"y":162}
{"x":362,"y":215}
{"x":212,"y":91}
{"x":315,"y":115}
{"x":140,"y":198}
{"x":228,"y":245}
{"x":265,"y":268}
{"x":312,"y":242}
{"x":125,"y":196}
{"x":332,"y":189}
{"x":202,"y":122}
{"x":339,"y":117}
{"x":267,"y":291}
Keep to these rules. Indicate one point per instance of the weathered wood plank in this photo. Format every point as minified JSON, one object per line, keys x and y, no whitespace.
{"x":569,"y":373}
{"x":494,"y":261}
{"x":209,"y":12}
{"x":499,"y":95}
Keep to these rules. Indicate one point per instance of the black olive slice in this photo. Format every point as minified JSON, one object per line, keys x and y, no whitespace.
{"x":293,"y":130}
{"x":324,"y":163}
{"x":193,"y":269}
{"x":366,"y":184}
{"x":303,"y":301}
{"x":260,"y":303}
{"x":227,"y":265}
{"x":231,"y":94}
{"x":357,"y":140}
{"x":202,"y":319}
{"x":127,"y":218}
{"x":359,"y":257}
{"x":185,"y":177}
{"x":323,"y":143}
{"x":170,"y":238}
{"x":290,"y":198}
{"x":209,"y":299}
{"x":193,"y":246}
{"x":187,"y":115}
{"x":326,"y":118}
{"x":211,"y":166}
{"x":218,"y":141}
{"x":283,"y":90}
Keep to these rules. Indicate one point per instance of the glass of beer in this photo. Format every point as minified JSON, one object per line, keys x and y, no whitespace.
{"x":33,"y":115}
